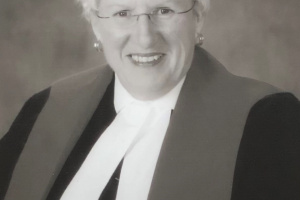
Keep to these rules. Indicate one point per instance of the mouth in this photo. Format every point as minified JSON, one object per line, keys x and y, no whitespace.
{"x":146,"y":59}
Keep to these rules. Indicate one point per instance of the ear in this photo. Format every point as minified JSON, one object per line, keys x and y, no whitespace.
{"x":95,"y":27}
{"x":199,"y":19}
{"x":199,"y":24}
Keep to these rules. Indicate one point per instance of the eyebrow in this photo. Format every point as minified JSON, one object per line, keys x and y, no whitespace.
{"x":175,"y":2}
{"x":123,"y":4}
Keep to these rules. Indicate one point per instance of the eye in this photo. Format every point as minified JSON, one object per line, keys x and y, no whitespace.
{"x":123,"y":13}
{"x":164,"y":11}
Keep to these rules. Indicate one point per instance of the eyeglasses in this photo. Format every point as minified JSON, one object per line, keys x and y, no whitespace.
{"x":158,"y":16}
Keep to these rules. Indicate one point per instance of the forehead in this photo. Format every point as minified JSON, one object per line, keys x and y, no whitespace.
{"x":142,"y":3}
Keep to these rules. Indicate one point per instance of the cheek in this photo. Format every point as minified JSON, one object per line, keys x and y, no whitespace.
{"x":186,"y":34}
{"x":180,"y":35}
{"x":181,"y":41}
{"x":112,"y":40}
{"x":110,"y":36}
{"x":114,"y":44}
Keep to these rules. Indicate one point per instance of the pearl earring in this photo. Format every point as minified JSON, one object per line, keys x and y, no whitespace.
{"x":98,"y":46}
{"x":200,"y":39}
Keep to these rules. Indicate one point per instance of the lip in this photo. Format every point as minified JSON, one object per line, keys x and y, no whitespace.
{"x":149,"y":63}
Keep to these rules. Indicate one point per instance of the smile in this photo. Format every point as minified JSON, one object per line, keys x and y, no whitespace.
{"x":146,"y":59}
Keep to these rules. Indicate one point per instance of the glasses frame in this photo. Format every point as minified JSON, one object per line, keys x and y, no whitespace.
{"x":148,"y":14}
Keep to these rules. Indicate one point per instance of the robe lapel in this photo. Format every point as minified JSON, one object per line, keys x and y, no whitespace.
{"x":65,"y":115}
{"x":102,"y":117}
{"x":198,"y":155}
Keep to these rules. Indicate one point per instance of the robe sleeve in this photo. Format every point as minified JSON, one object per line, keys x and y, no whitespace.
{"x":268,"y":162}
{"x":13,"y":142}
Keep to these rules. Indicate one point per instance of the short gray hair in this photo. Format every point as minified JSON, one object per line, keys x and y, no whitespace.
{"x":89,"y":5}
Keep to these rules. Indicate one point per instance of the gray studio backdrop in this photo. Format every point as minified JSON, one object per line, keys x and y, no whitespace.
{"x":42,"y":41}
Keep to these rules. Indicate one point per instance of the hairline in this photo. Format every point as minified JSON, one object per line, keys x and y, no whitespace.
{"x":89,"y":5}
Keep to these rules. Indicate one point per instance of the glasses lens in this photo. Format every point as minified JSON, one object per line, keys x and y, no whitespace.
{"x":161,"y":18}
{"x":124,"y":21}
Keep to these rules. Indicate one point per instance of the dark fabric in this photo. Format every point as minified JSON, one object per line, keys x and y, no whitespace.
{"x":267,"y":166}
{"x":110,"y":191}
{"x":12,"y":144}
{"x":268,"y":162}
{"x":101,"y":119}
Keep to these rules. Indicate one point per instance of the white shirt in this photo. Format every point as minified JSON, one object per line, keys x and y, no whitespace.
{"x":136,"y":134}
{"x":140,"y":161}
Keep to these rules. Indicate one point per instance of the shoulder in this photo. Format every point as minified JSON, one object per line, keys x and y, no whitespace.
{"x":280,"y":109}
{"x":95,"y":77}
{"x":30,"y":111}
{"x":62,"y":92}
{"x":268,"y":160}
{"x":216,"y":75}
{"x":275,"y":118}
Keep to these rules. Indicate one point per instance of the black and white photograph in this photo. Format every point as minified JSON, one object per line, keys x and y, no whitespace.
{"x":149,"y":100}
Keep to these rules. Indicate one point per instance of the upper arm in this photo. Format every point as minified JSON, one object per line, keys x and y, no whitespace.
{"x":268,"y":162}
{"x":13,"y":142}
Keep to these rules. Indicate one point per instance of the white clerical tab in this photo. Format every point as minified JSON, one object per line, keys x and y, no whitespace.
{"x":106,"y":154}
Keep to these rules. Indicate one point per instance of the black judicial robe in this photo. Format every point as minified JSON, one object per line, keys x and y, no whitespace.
{"x":229,"y":138}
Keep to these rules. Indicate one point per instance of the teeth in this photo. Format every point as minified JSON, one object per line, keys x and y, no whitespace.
{"x":143,"y":59}
{"x":135,"y":57}
{"x":150,"y":59}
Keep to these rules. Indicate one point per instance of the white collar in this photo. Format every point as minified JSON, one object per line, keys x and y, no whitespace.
{"x":122,"y":97}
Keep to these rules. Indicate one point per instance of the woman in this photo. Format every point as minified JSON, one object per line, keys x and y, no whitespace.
{"x":167,"y":122}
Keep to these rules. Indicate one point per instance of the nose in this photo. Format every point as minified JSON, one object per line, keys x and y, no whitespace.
{"x":146,"y":34}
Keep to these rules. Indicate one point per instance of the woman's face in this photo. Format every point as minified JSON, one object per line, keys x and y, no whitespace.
{"x":149,"y":55}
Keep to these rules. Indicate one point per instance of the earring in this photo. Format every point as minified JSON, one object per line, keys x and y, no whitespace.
{"x":200,"y":39}
{"x":98,"y":46}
